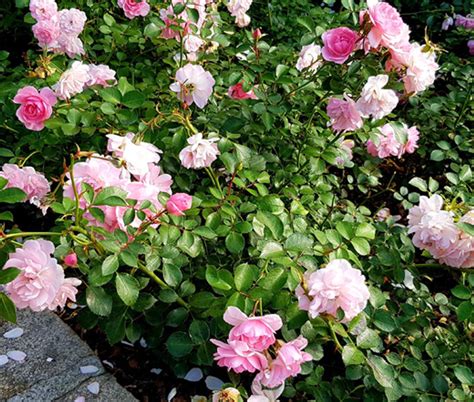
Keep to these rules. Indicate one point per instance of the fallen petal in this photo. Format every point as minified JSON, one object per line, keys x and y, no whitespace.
{"x":194,"y":375}
{"x":3,"y":360}
{"x":172,"y":394}
{"x":16,"y":355}
{"x":80,"y":399}
{"x":89,"y":369}
{"x":13,"y":333}
{"x":94,"y":388}
{"x":213,"y":383}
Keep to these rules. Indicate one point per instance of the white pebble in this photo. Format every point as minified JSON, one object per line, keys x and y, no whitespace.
{"x":49,"y":359}
{"x":80,"y":399}
{"x":94,"y":388}
{"x":89,"y":369}
{"x":13,"y":333}
{"x":156,"y":371}
{"x":194,"y":375}
{"x":3,"y":360}
{"x":17,"y":355}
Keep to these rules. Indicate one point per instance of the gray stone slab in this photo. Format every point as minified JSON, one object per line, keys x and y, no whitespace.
{"x":51,"y":370}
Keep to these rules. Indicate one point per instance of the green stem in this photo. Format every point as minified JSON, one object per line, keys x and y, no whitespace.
{"x":334,"y":336}
{"x":76,"y":194}
{"x":26,"y":234}
{"x":160,"y":282}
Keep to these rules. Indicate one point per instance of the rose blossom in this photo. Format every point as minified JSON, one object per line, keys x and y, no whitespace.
{"x":71,"y":45}
{"x":239,"y":357}
{"x":337,"y":286}
{"x":309,"y":57}
{"x":46,"y":32}
{"x":43,"y":9}
{"x":133,"y":8}
{"x":339,"y":43}
{"x":200,"y":153}
{"x":67,"y":291}
{"x":344,"y":114}
{"x":73,"y":81}
{"x":394,"y":143}
{"x":238,"y":9}
{"x":136,"y":156}
{"x":36,"y":107}
{"x":447,"y":23}
{"x":34,"y":184}
{"x":387,"y":27}
{"x":101,"y":75}
{"x":40,"y":278}
{"x":374,"y":100}
{"x":72,"y":21}
{"x":466,"y":22}
{"x":178,"y":203}
{"x":237,"y":92}
{"x":228,"y":395}
{"x":470,"y":45}
{"x":257,"y":332}
{"x":71,"y":260}
{"x":425,"y":205}
{"x":345,"y":155}
{"x":421,"y":68}
{"x":194,"y":85}
{"x":287,"y":364}
{"x":259,"y":394}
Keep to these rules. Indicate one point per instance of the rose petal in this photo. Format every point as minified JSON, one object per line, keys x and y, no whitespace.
{"x":214,"y":383}
{"x":13,"y":333}
{"x":172,"y":394}
{"x":17,"y":355}
{"x":3,"y":360}
{"x":194,"y":375}
{"x":94,"y":388}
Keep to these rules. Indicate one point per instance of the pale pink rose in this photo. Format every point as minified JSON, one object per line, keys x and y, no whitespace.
{"x":136,"y":156}
{"x":67,"y":291}
{"x":387,"y":27}
{"x":261,"y":394}
{"x":412,"y":142}
{"x":345,"y":155}
{"x":72,"y":21}
{"x":421,"y":68}
{"x":376,"y":101}
{"x":257,"y":332}
{"x":40,"y":278}
{"x":344,"y":114}
{"x":46,"y":32}
{"x":425,"y":205}
{"x":239,"y":357}
{"x":287,"y":363}
{"x":73,"y":81}
{"x":169,"y":18}
{"x":43,"y":9}
{"x":337,"y":286}
{"x":465,"y":22}
{"x":470,"y":45}
{"x":339,"y":43}
{"x":178,"y":203}
{"x":71,"y":45}
{"x":101,"y":75}
{"x":200,"y":153}
{"x":237,"y":92}
{"x":33,"y":183}
{"x":71,"y":260}
{"x":387,"y":144}
{"x":157,"y":179}
{"x":447,"y":23}
{"x":193,"y":85}
{"x":242,"y":20}
{"x":192,"y":43}
{"x":309,"y":57}
{"x":133,"y":8}
{"x":35,"y":107}
{"x":238,"y":7}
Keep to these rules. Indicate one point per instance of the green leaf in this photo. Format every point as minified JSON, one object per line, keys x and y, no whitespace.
{"x":111,"y":95}
{"x":272,"y":249}
{"x":365,"y":230}
{"x":110,"y":265}
{"x":361,"y":245}
{"x":383,"y":372}
{"x":99,"y":301}
{"x":12,"y":195}
{"x":466,"y":227}
{"x":368,"y":339}
{"x":299,"y":242}
{"x":179,"y":344}
{"x":420,"y":184}
{"x":464,"y":374}
{"x":215,"y":279}
{"x":112,"y":196}
{"x":6,"y":216}
{"x":235,"y":242}
{"x":385,"y":321}
{"x":7,"y":308}
{"x":464,"y":310}
{"x":345,"y":229}
{"x":272,"y":222}
{"x":133,"y":99}
{"x":172,"y":275}
{"x":199,"y":332}
{"x":351,"y":355}
{"x":8,"y":274}
{"x":244,"y":276}
{"x":128,"y":288}
{"x":462,"y":292}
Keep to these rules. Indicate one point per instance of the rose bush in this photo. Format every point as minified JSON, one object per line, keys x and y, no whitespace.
{"x":289,"y":199}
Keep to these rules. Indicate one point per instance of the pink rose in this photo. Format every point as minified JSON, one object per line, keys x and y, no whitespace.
{"x":376,"y":101}
{"x":257,"y":332}
{"x":239,"y":357}
{"x":73,"y":81}
{"x":72,"y":21}
{"x":101,"y":75}
{"x":237,"y":92}
{"x":40,"y":278}
{"x":465,"y":22}
{"x":193,"y":85}
{"x":43,"y":9}
{"x":421,"y":68}
{"x":46,"y":32}
{"x":257,"y":34}
{"x":33,"y":183}
{"x":71,"y":260}
{"x":394,"y":141}
{"x":36,"y":107}
{"x":178,"y":203}
{"x":309,"y":57}
{"x":71,"y":45}
{"x":425,"y":205}
{"x":67,"y":291}
{"x":337,"y":286}
{"x":470,"y":45}
{"x":133,"y":8}
{"x":339,"y":43}
{"x":200,"y":153}
{"x":344,"y":114}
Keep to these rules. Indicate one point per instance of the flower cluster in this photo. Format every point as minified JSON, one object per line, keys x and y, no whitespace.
{"x":248,"y":349}
{"x":58,"y":30}
{"x":41,"y":283}
{"x":133,"y":8}
{"x":435,"y":230}
{"x":337,"y":286}
{"x":33,"y":183}
{"x":393,"y":140}
{"x":238,"y":9}
{"x":81,"y":76}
